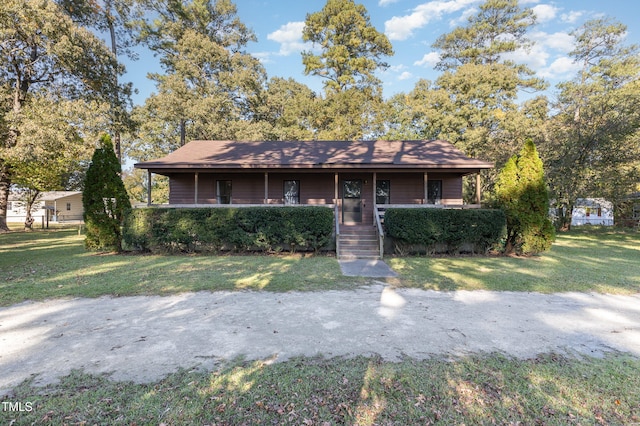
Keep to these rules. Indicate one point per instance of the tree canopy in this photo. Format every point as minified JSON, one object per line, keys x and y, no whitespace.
{"x":45,"y":57}
{"x":60,"y":87}
{"x":593,"y":145}
{"x":210,"y":87}
{"x":352,"y":50}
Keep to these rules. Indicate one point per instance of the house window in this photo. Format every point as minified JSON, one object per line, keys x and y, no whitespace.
{"x":224,"y":191}
{"x":594,"y":210}
{"x":291,"y":192}
{"x":68,"y":207}
{"x":383,"y":192}
{"x":434,"y":192}
{"x":9,"y":205}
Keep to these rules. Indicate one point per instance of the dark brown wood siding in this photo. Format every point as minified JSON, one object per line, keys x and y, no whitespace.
{"x":451,"y":187}
{"x":181,"y":189}
{"x":408,"y":188}
{"x":315,"y":188}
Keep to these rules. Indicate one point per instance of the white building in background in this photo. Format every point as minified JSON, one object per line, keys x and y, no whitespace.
{"x":52,"y":206}
{"x":592,"y":211}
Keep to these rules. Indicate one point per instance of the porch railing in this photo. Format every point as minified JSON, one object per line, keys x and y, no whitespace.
{"x":336,"y":217}
{"x":379,"y":229}
{"x":221,"y":206}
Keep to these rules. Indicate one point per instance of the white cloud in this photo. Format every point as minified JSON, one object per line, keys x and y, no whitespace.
{"x":560,"y":41}
{"x":464,"y":18}
{"x":546,"y":47}
{"x":402,"y":27}
{"x":545,"y":12}
{"x":397,"y":68}
{"x":571,"y":17}
{"x":289,"y":36}
{"x":535,"y":58}
{"x":264,"y":57}
{"x":405,"y":76}
{"x":561,"y":67}
{"x":430,"y":59}
{"x":386,"y":2}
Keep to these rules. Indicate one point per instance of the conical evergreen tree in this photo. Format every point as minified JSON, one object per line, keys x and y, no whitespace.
{"x":507,"y":194}
{"x":522,"y":193}
{"x":104,"y":199}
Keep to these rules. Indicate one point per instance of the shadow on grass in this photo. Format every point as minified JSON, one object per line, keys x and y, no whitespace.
{"x":483,"y":389}
{"x":603,"y":262}
{"x":41,"y":265}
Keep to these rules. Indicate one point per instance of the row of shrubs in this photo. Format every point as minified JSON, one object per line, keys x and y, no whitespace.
{"x":305,"y":228}
{"x":439,"y":230}
{"x":235,"y":229}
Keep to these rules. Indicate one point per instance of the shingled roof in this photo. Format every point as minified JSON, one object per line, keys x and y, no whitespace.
{"x":203,"y":155}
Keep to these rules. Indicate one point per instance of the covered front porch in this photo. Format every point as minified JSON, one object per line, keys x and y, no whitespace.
{"x":358,"y":198}
{"x":355,"y":193}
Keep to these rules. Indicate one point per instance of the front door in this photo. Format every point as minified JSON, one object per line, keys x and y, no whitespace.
{"x":352,"y":201}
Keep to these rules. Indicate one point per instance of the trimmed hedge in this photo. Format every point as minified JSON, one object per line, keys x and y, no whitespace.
{"x":449,"y":230}
{"x":237,"y":229}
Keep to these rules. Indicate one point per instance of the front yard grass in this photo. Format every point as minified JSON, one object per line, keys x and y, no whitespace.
{"x":51,"y":264}
{"x":583,"y":260}
{"x":550,"y":389}
{"x":480,"y":389}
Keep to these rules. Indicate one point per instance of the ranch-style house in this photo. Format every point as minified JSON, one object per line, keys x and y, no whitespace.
{"x":358,"y":179}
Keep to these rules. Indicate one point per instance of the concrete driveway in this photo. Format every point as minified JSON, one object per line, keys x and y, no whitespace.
{"x":146,"y":338}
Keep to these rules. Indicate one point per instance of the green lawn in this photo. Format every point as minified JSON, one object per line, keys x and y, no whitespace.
{"x":599,"y":260}
{"x":50,"y":264}
{"x":483,"y":389}
{"x":478,"y":389}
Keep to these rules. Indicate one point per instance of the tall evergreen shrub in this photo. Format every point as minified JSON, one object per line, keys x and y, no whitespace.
{"x":104,"y":199}
{"x":521,"y":191}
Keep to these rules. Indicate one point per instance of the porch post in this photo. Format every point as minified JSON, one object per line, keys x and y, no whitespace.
{"x":148,"y":187}
{"x":195,"y":195}
{"x":373,"y":200}
{"x":335,"y":189}
{"x":426,"y":188}
{"x":478,"y":192}
{"x":266,"y":187}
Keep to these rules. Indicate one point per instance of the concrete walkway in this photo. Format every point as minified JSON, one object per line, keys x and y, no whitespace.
{"x":145,"y":338}
{"x":366,"y":268}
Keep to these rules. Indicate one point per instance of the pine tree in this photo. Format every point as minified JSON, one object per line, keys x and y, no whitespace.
{"x":522,"y":193}
{"x":104,"y":199}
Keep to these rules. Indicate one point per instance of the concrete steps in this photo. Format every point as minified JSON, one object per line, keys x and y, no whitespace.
{"x":358,"y":242}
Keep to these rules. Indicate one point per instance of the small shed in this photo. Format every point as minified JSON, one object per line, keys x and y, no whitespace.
{"x":592,"y":211}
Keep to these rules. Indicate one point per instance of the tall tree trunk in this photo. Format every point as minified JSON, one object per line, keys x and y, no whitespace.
{"x":30,"y":200}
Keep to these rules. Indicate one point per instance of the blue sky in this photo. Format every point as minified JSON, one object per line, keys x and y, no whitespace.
{"x":412,"y":26}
